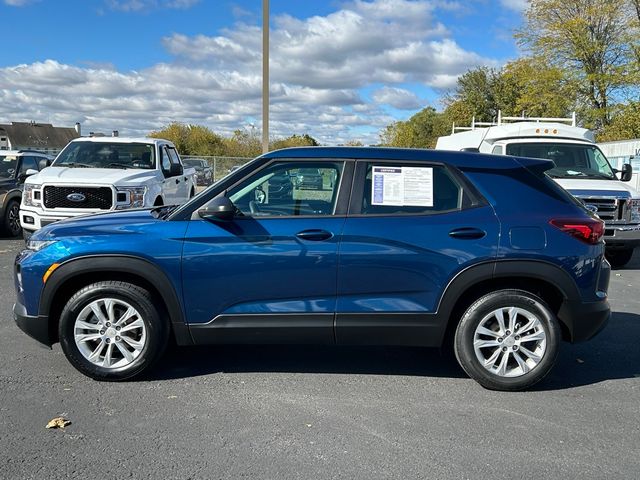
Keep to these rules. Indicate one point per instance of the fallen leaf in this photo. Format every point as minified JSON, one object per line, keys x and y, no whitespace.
{"x":579,"y":360}
{"x":309,"y":425}
{"x":58,"y":422}
{"x":172,"y":396}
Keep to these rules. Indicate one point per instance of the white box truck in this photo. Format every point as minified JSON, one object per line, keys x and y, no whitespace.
{"x":581,"y":168}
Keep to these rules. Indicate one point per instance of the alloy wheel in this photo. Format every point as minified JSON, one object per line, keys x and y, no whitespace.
{"x":510,"y":341}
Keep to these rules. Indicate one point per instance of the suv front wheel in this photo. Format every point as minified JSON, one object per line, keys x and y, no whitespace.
{"x":507,"y":340}
{"x":112,"y":330}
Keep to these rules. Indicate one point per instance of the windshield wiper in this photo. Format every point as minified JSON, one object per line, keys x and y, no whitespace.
{"x":121,"y":165}
{"x":599,"y":175}
{"x":73,"y":165}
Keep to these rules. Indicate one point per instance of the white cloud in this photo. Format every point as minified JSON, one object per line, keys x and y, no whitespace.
{"x":516,"y":5}
{"x":398,"y":98}
{"x":319,"y":67}
{"x":18,"y":3}
{"x":146,"y":5}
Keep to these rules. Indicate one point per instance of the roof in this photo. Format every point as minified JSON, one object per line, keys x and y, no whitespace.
{"x":23,"y":152}
{"x":155,"y":141}
{"x":542,"y":131}
{"x":38,"y":135}
{"x":457,"y":159}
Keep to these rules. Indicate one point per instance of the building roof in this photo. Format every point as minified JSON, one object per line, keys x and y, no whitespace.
{"x":38,"y":135}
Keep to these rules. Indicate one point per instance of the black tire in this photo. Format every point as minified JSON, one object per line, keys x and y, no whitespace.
{"x":11,"y":221}
{"x":156,"y":333}
{"x":480,"y":311}
{"x":619,"y":258}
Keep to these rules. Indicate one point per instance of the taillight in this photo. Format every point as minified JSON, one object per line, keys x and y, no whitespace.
{"x":587,"y":230}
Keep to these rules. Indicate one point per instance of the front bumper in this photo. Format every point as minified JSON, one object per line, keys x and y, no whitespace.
{"x":622,"y":236}
{"x":35,"y":327}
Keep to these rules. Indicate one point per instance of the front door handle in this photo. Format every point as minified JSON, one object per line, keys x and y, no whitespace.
{"x":467,"y":233}
{"x":314,"y":235}
{"x":177,"y":181}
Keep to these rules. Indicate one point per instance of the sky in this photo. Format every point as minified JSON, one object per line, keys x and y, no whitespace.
{"x":340,"y":70}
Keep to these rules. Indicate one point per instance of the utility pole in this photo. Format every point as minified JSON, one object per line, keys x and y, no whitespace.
{"x":265,"y":76}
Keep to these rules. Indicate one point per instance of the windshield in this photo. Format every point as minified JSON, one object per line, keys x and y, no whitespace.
{"x":193,"y":163}
{"x":107,"y":155}
{"x":8,"y":165}
{"x":572,"y":160}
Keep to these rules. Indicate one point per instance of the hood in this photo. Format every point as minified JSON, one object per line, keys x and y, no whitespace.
{"x":126,"y":221}
{"x":92,"y":176}
{"x":606,"y":188}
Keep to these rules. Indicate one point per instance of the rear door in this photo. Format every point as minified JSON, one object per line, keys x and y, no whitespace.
{"x":412,"y":226}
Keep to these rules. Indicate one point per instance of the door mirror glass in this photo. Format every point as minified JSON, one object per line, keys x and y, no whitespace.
{"x":627,"y":172}
{"x":175,"y":170}
{"x":30,"y":172}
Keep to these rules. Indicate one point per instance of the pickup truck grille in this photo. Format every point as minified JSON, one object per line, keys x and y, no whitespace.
{"x":609,"y":209}
{"x":100,"y":198}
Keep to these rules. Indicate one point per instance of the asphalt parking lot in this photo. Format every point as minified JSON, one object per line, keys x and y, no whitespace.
{"x":300,"y":412}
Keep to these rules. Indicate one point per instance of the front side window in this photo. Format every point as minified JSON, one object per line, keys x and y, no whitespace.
{"x":8,"y":165}
{"x":107,"y":155}
{"x":416,"y":189}
{"x":572,"y":160}
{"x":289,"y":189}
{"x":28,"y":163}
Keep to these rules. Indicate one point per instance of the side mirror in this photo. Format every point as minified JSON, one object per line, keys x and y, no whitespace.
{"x":627,"y":172}
{"x":44,"y":163}
{"x":30,"y":171}
{"x":220,"y":208}
{"x":175,"y":170}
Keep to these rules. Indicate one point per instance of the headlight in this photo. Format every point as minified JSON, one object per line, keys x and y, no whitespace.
{"x":130,"y":197}
{"x":634,"y":207}
{"x":31,"y":195}
{"x":37,"y":245}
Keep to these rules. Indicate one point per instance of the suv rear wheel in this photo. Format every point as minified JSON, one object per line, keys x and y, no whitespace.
{"x":507,"y":340}
{"x":112,"y":331}
{"x":619,"y":258}
{"x":11,"y":219}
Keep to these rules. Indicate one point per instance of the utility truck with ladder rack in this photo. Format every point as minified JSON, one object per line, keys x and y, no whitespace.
{"x":581,"y":168}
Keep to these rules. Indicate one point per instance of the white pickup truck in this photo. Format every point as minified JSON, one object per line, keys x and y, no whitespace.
{"x":581,"y":168}
{"x":100,"y":174}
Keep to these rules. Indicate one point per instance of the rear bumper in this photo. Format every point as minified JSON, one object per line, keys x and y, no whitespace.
{"x":584,"y":320}
{"x":36,"y":327}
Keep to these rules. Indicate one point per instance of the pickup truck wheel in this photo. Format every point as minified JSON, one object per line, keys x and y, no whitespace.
{"x":507,"y":340}
{"x":619,"y":258}
{"x":11,"y":225}
{"x":112,"y":331}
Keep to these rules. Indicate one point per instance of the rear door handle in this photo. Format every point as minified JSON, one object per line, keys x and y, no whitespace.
{"x":314,"y":235}
{"x":467,"y":233}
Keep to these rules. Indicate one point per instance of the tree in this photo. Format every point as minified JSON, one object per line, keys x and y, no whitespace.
{"x":539,"y":90}
{"x":624,"y":125}
{"x":588,"y":38}
{"x":294,"y":140}
{"x":421,"y":130}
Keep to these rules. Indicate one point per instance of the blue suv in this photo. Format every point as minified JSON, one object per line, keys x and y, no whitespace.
{"x":391,"y":247}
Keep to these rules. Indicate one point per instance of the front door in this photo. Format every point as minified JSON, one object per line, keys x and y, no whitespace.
{"x":269,"y":275}
{"x":412,"y":226}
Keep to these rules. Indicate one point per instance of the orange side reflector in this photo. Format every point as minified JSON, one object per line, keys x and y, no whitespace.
{"x":48,"y":273}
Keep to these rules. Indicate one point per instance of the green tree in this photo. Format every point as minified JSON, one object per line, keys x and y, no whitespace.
{"x":588,"y":38}
{"x":177,"y":133}
{"x":539,"y":90}
{"x":624,"y":125}
{"x":294,"y":140}
{"x":421,"y":130}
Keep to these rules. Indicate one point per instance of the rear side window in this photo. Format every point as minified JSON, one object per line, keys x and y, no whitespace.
{"x":417,"y":189}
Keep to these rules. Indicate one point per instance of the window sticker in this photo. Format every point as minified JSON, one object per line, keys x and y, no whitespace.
{"x":402,"y":186}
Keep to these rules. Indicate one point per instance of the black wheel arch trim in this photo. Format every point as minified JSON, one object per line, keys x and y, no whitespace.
{"x":496,"y":269}
{"x":120,"y":264}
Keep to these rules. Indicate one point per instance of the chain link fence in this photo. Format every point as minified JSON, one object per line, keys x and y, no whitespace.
{"x":221,"y":166}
